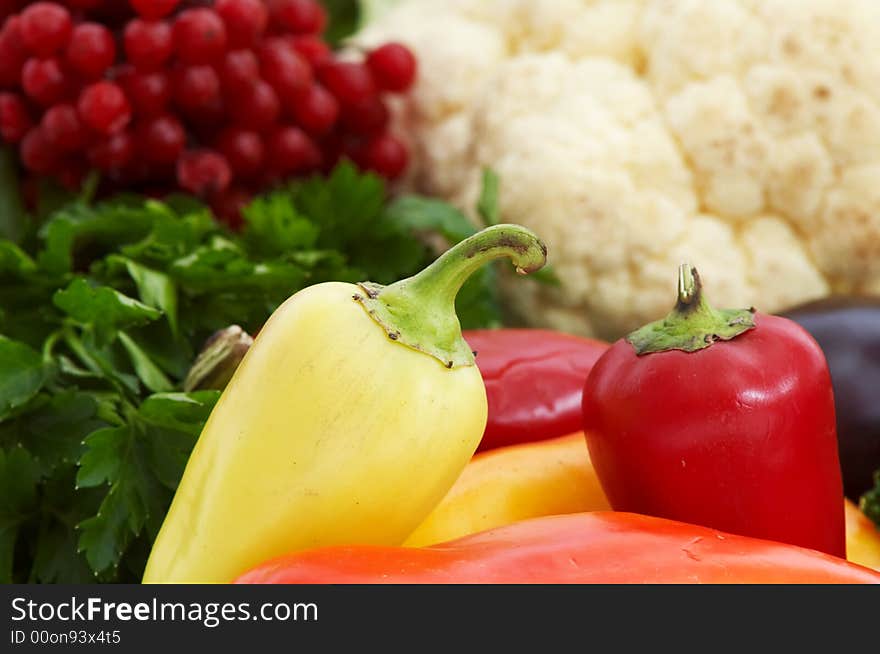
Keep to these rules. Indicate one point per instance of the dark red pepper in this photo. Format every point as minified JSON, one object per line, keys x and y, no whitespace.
{"x":534,"y":380}
{"x":719,"y":418}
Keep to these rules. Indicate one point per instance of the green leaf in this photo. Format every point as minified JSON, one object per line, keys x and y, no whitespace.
{"x":344,"y":18}
{"x":102,"y":307}
{"x":184,"y":412}
{"x":869,"y":503}
{"x":14,"y":261}
{"x":173,"y":422}
{"x":135,"y":499}
{"x":273,"y":227}
{"x":429,"y":215}
{"x":487,"y":205}
{"x":223,"y":268}
{"x":147,"y":371}
{"x":172,"y":355}
{"x":103,"y":228}
{"x":56,"y":559}
{"x":103,"y":458}
{"x":19,"y":474}
{"x":155,"y":289}
{"x":101,"y":362}
{"x":344,"y":206}
{"x":22,"y":375}
{"x":54,"y":430}
{"x":171,"y":235}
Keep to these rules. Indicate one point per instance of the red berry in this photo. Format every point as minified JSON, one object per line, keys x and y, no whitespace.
{"x":14,"y":118}
{"x":203,"y":172}
{"x":316,"y":110}
{"x":36,"y":153}
{"x":386,"y":156}
{"x":285,"y":70}
{"x":91,"y":50}
{"x":240,"y":69}
{"x":161,"y":139}
{"x":45,"y":28}
{"x":245,"y":21}
{"x":148,"y":44}
{"x":12,"y":53}
{"x":149,"y":93}
{"x":199,"y":36}
{"x":43,"y":81}
{"x":291,"y":152}
{"x":298,"y":16}
{"x":153,"y":9}
{"x":207,"y":120}
{"x":243,"y":150}
{"x":63,"y":129}
{"x":367,"y":117}
{"x":195,"y":87}
{"x":393,"y":67}
{"x":311,"y":48}
{"x":229,"y":205}
{"x":112,"y":154}
{"x":333,"y":147}
{"x":350,"y":82}
{"x":83,"y":5}
{"x":257,"y":109}
{"x":104,"y":108}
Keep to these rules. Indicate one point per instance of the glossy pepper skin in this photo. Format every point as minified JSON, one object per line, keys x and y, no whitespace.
{"x":738,"y":435}
{"x":513,"y":483}
{"x":848,"y":331}
{"x":579,"y":548}
{"x":348,"y":419}
{"x":534,"y":380}
{"x":555,"y":477}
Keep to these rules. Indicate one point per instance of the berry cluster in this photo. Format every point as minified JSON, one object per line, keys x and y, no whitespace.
{"x":216,"y":98}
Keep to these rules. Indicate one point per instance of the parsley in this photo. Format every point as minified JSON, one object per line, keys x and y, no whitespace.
{"x":870,"y":501}
{"x":103,"y":308}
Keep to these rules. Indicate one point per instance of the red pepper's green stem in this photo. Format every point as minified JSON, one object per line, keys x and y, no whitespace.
{"x":419,"y":311}
{"x":693,"y":324}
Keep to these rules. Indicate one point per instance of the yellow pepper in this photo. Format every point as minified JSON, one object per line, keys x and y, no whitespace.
{"x":348,"y":420}
{"x":515,"y":483}
{"x":862,"y":538}
{"x":518,"y":482}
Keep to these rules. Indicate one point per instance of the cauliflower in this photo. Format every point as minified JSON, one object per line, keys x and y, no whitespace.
{"x":740,"y":135}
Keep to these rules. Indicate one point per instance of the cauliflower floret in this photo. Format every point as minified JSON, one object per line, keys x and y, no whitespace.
{"x":740,"y":135}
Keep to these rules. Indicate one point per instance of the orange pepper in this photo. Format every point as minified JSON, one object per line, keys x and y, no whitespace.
{"x":509,"y":484}
{"x":514,"y":483}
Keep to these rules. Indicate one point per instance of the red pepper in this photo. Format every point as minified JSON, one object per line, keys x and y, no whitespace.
{"x":578,"y":548}
{"x":534,"y":379}
{"x":719,"y":418}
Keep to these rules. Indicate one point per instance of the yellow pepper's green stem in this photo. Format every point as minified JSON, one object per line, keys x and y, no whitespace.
{"x":419,"y":311}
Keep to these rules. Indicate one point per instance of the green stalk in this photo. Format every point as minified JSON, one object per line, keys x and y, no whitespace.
{"x":419,"y":312}
{"x":693,"y":324}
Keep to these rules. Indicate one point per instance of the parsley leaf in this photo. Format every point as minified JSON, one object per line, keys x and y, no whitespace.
{"x":22,"y":374}
{"x":19,"y":473}
{"x":104,"y":307}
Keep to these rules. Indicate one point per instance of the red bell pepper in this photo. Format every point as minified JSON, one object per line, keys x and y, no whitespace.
{"x":719,"y":418}
{"x":534,"y":380}
{"x":579,"y":548}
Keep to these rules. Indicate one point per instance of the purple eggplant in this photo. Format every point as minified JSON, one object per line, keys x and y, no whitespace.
{"x":848,"y":331}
